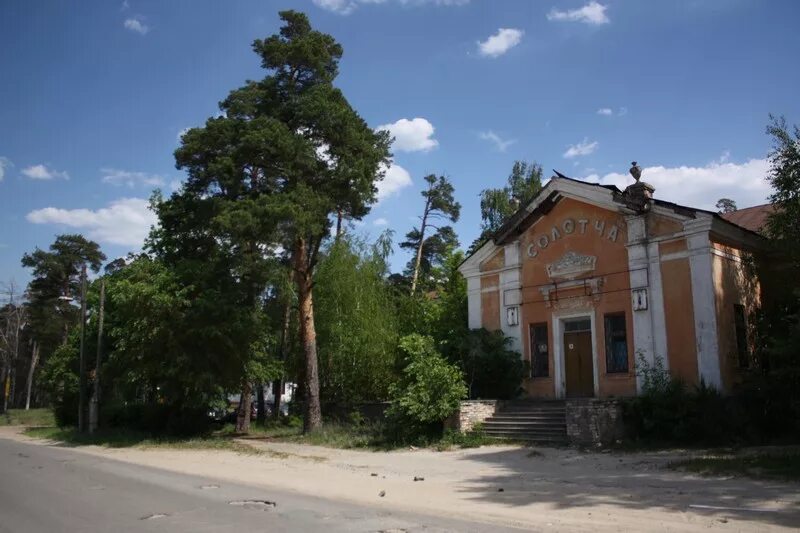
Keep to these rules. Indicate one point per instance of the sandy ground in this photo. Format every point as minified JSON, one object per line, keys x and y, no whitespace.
{"x":541,"y":488}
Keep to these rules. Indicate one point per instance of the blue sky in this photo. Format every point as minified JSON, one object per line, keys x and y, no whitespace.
{"x":93,"y":96}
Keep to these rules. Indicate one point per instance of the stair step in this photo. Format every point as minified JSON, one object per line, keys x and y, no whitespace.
{"x":525,"y":416}
{"x":543,"y":431}
{"x":555,"y":412}
{"x":514,"y":423}
{"x":561,"y":439}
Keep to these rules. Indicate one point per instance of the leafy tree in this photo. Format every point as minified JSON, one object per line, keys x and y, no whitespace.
{"x":56,"y":283}
{"x":726,"y":205}
{"x":491,"y":368}
{"x":783,"y":224}
{"x":439,"y":205}
{"x":429,"y":389}
{"x":288,"y":155}
{"x":356,"y":323}
{"x":497,"y":205}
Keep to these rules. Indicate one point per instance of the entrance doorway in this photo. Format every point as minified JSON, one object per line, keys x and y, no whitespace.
{"x":578,"y":363}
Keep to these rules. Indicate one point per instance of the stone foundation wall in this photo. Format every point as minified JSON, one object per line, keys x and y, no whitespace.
{"x":472,"y":412}
{"x":592,"y":422}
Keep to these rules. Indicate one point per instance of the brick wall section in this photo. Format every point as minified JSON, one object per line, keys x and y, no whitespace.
{"x":472,"y":412}
{"x":592,"y":422}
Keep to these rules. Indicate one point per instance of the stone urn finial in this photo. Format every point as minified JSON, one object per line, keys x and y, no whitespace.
{"x":636,"y":171}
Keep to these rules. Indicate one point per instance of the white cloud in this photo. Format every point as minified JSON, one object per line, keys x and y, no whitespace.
{"x":608,"y":112}
{"x":4,"y":164}
{"x":345,"y":7}
{"x":499,"y":143}
{"x":41,"y":172}
{"x":701,"y":187}
{"x":394,"y":180}
{"x":131,"y":179}
{"x":124,"y":222}
{"x":501,"y":42}
{"x":380,"y":222}
{"x":180,"y":134}
{"x":415,"y":135}
{"x":137,"y":25}
{"x":581,"y":149}
{"x":125,"y":6}
{"x":592,"y":13}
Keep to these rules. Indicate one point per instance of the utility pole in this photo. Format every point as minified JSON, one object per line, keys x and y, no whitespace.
{"x":94,"y":403}
{"x":82,"y":368}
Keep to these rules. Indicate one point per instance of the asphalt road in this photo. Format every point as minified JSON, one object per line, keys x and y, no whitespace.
{"x":54,"y":489}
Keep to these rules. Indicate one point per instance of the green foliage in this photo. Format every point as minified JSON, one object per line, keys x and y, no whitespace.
{"x":726,"y":205}
{"x":356,"y":323}
{"x":491,"y":368}
{"x":156,"y":418}
{"x":429,"y":389}
{"x":59,"y":378}
{"x":431,"y":249}
{"x":497,"y":205}
{"x":655,"y":378}
{"x":670,"y":412}
{"x":475,"y":438}
{"x":27,"y":417}
{"x":56,"y":280}
{"x":288,"y":154}
{"x":783,"y":224}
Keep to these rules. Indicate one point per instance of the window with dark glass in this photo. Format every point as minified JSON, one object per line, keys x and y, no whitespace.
{"x":616,"y":344}
{"x":540,"y":366}
{"x":740,"y":323}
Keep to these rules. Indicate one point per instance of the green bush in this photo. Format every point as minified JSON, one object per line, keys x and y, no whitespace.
{"x":670,"y":412}
{"x":429,"y":390}
{"x":156,"y":419}
{"x":492,"y":370}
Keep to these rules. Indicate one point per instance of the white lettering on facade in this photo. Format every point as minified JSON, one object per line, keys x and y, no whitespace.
{"x":600,"y":225}
{"x":568,"y":227}
{"x":543,"y":242}
{"x":612,"y":233}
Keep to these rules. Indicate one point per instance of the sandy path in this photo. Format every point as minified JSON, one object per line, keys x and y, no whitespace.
{"x":554,"y":489}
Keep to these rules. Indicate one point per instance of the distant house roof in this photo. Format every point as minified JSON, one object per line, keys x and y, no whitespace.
{"x":751,"y":218}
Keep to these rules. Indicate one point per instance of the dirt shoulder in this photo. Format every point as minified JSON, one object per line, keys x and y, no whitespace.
{"x":545,"y":488}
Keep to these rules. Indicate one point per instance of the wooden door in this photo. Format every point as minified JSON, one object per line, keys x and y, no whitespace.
{"x":578,"y":364}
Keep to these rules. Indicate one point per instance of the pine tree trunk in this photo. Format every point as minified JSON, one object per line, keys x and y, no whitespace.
{"x":3,"y":401}
{"x":29,"y":384}
{"x":308,"y":337}
{"x":243,"y":417}
{"x":261,"y":405}
{"x":339,"y":219}
{"x":418,"y":260}
{"x":277,"y":385}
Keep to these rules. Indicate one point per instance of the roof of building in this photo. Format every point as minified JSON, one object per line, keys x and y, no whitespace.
{"x":751,"y":218}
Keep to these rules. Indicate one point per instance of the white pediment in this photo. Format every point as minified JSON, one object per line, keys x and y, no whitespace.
{"x":571,"y":265}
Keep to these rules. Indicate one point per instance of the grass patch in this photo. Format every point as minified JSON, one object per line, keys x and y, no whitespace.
{"x":470,"y":439}
{"x":31,"y":417}
{"x":363,"y":435}
{"x":332,"y":434}
{"x":122,"y":438}
{"x":783,"y":466}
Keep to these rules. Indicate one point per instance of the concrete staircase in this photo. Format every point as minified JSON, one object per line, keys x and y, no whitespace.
{"x":529,"y":420}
